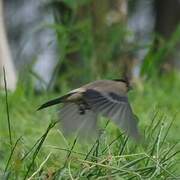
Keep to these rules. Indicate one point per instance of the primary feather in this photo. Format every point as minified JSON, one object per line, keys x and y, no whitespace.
{"x":114,"y":107}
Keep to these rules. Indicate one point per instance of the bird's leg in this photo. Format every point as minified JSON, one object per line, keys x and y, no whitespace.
{"x":83,"y":107}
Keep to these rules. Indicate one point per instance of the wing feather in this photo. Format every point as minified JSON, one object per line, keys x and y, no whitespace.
{"x":115,"y":107}
{"x":74,"y":122}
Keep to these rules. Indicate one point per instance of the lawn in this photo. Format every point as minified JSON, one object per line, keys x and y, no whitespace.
{"x":32,"y":145}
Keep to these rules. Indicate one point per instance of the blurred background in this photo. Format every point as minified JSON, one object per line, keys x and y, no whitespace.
{"x":48,"y":47}
{"x":77,"y":41}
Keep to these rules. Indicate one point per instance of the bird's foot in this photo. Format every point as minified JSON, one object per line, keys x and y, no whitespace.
{"x":82,"y":108}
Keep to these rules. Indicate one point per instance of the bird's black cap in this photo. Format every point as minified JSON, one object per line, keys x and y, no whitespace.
{"x":122,"y":80}
{"x":125,"y":80}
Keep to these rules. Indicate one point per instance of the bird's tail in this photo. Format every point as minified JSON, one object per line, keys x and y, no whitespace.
{"x":54,"y":102}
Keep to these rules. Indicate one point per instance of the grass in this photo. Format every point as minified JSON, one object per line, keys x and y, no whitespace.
{"x":33,"y":147}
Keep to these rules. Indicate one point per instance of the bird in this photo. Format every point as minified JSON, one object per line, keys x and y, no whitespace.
{"x":108,"y":98}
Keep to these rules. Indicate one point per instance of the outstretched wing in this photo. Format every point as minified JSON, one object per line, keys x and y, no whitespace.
{"x":75,"y":122}
{"x":115,"y":107}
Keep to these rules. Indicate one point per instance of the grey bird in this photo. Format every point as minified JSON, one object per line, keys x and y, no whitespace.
{"x":108,"y":98}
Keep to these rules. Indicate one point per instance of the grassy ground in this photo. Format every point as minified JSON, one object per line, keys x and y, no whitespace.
{"x":37,"y":149}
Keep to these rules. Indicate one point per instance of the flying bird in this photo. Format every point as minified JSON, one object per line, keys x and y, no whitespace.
{"x":108,"y":98}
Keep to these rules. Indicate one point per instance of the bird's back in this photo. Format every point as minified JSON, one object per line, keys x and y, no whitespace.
{"x":107,"y":86}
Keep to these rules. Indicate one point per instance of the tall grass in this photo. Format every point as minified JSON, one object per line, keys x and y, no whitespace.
{"x":38,"y":152}
{"x":32,"y":145}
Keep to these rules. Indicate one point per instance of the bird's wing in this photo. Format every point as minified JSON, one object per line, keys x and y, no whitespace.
{"x":74,"y":122}
{"x":115,"y":107}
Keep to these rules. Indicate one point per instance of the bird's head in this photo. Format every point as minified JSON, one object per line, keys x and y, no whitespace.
{"x":124,"y":82}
